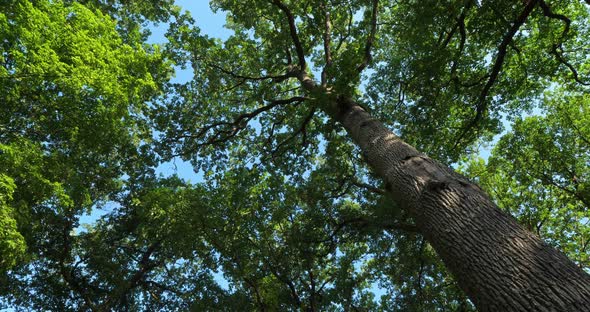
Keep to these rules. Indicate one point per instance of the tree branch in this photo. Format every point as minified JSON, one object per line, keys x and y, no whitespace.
{"x":369,"y":187}
{"x":463,"y":38}
{"x":364,"y":222}
{"x":348,"y":31}
{"x":275,"y":78}
{"x":327,"y":42}
{"x":69,"y":274}
{"x":237,"y":124}
{"x":293,"y":32}
{"x":369,"y":44}
{"x":301,"y":130}
{"x":145,"y":266}
{"x":581,"y":135}
{"x":481,"y":105}
{"x":557,"y":48}
{"x":420,"y":270}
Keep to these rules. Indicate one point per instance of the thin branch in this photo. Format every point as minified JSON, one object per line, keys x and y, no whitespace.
{"x":459,"y":25}
{"x":238,"y":123}
{"x":463,"y":36}
{"x":327,"y":42}
{"x":557,"y":48}
{"x":289,"y":57}
{"x":568,"y":65}
{"x":253,"y":285}
{"x":312,"y":292}
{"x":293,"y":32}
{"x":421,"y":270}
{"x":344,"y":37}
{"x":481,"y":105}
{"x":69,"y":275}
{"x":501,"y":55}
{"x":581,"y":135}
{"x":283,"y":279}
{"x":369,"y":187}
{"x":275,"y":78}
{"x":145,"y":266}
{"x":369,"y":44}
{"x":548,"y":180}
{"x":364,"y":222}
{"x":301,"y":130}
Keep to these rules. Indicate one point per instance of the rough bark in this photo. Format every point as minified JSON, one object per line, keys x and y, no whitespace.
{"x":500,"y":265}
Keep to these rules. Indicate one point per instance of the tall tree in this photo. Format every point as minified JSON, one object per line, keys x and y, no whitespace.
{"x":294,"y":69}
{"x":309,"y":200}
{"x":73,"y":95}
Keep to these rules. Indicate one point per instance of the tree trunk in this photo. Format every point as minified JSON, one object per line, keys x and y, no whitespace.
{"x":500,"y":265}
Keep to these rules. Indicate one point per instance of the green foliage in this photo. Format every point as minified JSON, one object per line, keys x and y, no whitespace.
{"x":12,"y":245}
{"x":287,"y":210}
{"x":539,"y":172}
{"x":71,"y":124}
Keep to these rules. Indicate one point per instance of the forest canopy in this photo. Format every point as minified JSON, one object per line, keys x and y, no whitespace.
{"x":352,"y":155}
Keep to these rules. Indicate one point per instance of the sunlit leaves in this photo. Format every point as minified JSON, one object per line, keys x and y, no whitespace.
{"x":12,"y":245}
{"x":287,"y":211}
{"x":74,"y":95}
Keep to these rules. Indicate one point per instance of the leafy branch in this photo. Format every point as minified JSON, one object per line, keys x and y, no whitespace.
{"x":557,"y":48}
{"x":237,"y":124}
{"x":481,"y":106}
{"x":370,"y":39}
{"x":293,"y":32}
{"x":327,"y":42}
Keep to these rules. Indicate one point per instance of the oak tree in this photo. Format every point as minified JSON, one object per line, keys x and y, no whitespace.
{"x":309,"y":199}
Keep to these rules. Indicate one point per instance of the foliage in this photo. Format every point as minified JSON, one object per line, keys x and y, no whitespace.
{"x":287,"y":215}
{"x":73,"y":96}
{"x":539,"y":173}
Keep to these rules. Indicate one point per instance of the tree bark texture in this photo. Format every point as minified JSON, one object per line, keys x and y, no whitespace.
{"x":500,"y":265}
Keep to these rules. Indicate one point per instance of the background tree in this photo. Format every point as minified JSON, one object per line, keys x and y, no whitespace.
{"x":73,"y":95}
{"x":288,"y":209}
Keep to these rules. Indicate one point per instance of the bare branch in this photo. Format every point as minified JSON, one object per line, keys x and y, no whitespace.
{"x":293,"y":32}
{"x":369,"y":44}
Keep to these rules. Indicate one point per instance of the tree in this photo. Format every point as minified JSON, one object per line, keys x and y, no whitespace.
{"x":72,"y":96}
{"x":308,"y":199}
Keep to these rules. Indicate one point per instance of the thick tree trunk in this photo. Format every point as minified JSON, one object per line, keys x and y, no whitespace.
{"x":500,"y":265}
